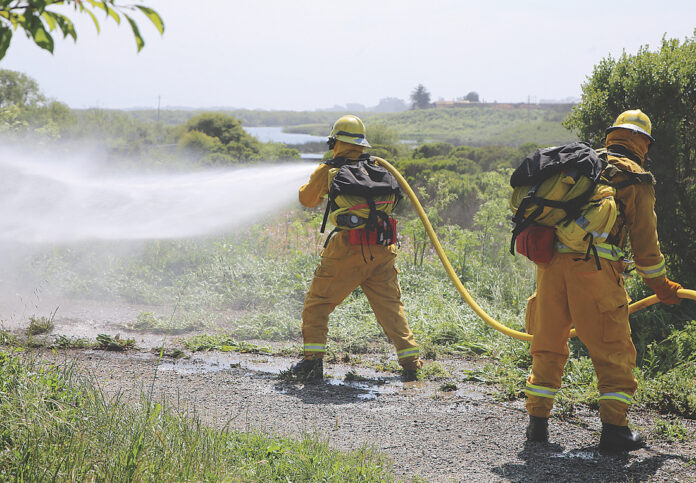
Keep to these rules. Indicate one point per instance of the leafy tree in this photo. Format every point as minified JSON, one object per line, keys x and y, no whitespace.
{"x":431,"y":150}
{"x":663,"y":85}
{"x":19,"y":89}
{"x":221,"y":135}
{"x":226,"y":128}
{"x":420,"y":98}
{"x":38,"y":20}
{"x":24,"y":107}
{"x":472,"y":97}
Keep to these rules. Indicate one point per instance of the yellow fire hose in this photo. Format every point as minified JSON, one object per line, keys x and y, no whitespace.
{"x":641,"y":304}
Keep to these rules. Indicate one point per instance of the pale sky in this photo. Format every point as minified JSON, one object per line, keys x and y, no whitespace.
{"x":308,"y":54}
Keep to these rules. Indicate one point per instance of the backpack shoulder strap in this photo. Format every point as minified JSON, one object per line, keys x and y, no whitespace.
{"x":611,"y":171}
{"x":622,"y":152}
{"x":337,"y":162}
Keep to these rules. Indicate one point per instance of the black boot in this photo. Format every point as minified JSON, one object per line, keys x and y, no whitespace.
{"x":409,"y":375}
{"x":308,"y":370}
{"x":619,"y":438}
{"x":538,"y":429}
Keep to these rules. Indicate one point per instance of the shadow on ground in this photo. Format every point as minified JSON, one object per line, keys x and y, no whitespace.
{"x":550,"y":462}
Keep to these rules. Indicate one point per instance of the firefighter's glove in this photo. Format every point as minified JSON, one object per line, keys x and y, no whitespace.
{"x":667,"y":292}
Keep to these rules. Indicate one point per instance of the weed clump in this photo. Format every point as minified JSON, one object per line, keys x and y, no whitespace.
{"x":111,"y":343}
{"x":64,"y":342}
{"x":670,"y":430}
{"x":223,"y":343}
{"x":40,"y":325}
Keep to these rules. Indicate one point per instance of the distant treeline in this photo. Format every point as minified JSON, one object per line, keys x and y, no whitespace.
{"x":246,"y":116}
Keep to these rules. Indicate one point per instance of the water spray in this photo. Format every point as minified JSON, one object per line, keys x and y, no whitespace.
{"x":66,"y":201}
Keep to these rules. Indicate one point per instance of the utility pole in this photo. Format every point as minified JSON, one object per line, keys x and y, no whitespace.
{"x":159,"y":98}
{"x":529,"y":98}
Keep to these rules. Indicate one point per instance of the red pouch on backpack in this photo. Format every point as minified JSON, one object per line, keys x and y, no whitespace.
{"x":536,"y":243}
{"x":359,"y":237}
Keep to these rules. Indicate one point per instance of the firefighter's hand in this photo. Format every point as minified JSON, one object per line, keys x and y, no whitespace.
{"x":667,"y":292}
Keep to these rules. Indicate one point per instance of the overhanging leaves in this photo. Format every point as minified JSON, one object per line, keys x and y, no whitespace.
{"x":38,"y":22}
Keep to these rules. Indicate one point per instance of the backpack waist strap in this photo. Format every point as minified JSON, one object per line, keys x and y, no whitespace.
{"x":604,"y":250}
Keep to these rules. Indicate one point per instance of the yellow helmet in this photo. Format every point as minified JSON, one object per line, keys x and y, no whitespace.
{"x":349,"y":129}
{"x":635,"y":120}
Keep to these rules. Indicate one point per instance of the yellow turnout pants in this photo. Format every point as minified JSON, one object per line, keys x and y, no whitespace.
{"x":342,"y":270}
{"x":571,"y":292}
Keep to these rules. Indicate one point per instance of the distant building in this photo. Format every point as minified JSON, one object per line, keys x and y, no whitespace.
{"x":456,"y":103}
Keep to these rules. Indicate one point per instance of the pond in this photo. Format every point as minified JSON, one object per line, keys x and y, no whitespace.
{"x":276,"y":135}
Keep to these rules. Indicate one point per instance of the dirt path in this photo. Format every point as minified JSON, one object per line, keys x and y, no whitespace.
{"x":463,"y":435}
{"x":457,"y":436}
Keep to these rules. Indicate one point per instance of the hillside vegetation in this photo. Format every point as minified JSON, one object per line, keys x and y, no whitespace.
{"x":478,"y":125}
{"x":489,"y":124}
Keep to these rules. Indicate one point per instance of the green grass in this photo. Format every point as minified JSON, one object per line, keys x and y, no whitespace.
{"x":670,"y":430}
{"x":223,"y":343}
{"x":114,"y":343}
{"x":58,"y":428}
{"x":64,"y":342}
{"x":40,"y":325}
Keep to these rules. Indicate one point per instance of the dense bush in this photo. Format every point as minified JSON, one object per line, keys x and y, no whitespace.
{"x":663,"y":85}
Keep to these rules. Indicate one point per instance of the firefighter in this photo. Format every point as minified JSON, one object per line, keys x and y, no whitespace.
{"x":343,"y":268}
{"x":572,"y":291}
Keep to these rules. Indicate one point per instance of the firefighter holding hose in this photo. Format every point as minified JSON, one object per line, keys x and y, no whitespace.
{"x":572,"y":290}
{"x":361,"y":252}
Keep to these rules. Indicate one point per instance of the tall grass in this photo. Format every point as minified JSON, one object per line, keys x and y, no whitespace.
{"x":55,"y":427}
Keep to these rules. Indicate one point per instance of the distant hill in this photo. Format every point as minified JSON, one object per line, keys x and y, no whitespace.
{"x":474,"y":125}
{"x":503,"y":124}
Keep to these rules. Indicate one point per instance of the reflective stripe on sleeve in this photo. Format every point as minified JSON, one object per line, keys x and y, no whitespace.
{"x":407,"y":352}
{"x":540,"y":391}
{"x":315,"y":348}
{"x":652,"y":271}
{"x":617,"y":396}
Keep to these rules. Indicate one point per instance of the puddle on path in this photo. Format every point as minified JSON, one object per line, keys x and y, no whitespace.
{"x":210,"y":362}
{"x":577,"y":455}
{"x":367,"y":383}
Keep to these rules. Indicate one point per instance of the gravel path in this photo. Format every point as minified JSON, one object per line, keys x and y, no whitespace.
{"x":463,"y":435}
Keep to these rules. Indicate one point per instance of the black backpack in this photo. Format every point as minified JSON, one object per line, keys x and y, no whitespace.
{"x":362,"y":194}
{"x":583,"y":168}
{"x":576,"y":160}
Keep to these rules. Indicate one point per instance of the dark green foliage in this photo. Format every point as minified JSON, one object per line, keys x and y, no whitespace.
{"x":663,"y":85}
{"x":214,"y":138}
{"x":677,"y":349}
{"x":673,"y":392}
{"x":472,"y":97}
{"x":219,"y":139}
{"x":431,"y":150}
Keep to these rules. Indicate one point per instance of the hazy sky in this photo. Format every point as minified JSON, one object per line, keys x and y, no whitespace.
{"x":307,"y":54}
